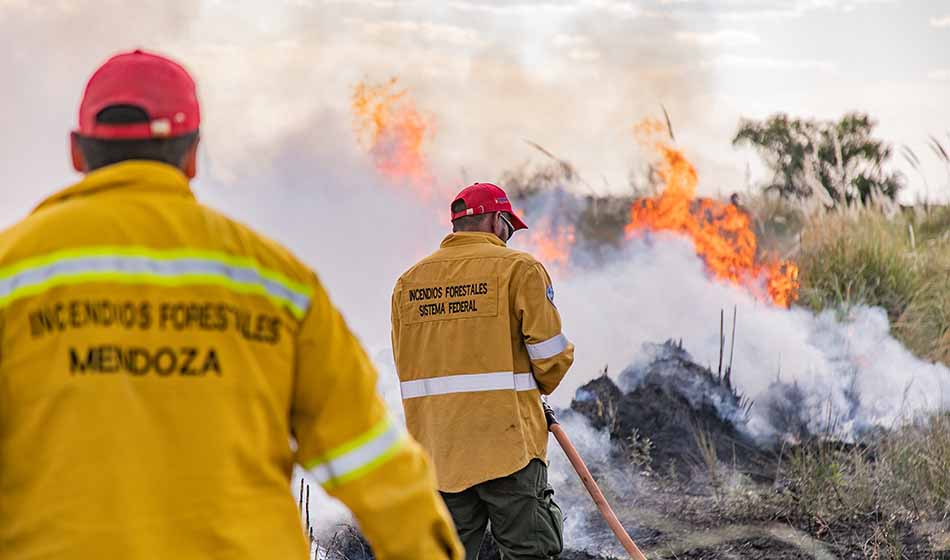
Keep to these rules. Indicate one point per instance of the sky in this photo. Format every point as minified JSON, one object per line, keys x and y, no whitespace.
{"x":571,"y":76}
{"x":279,"y":150}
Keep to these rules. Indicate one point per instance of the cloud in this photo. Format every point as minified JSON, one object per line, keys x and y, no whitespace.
{"x":742,"y":10}
{"x":420,"y":30}
{"x":622,"y":8}
{"x":617,"y":7}
{"x":765,"y":63}
{"x":577,"y":47}
{"x":721,"y":38}
{"x":504,"y":9}
{"x":370,"y":3}
{"x":940,"y":75}
{"x":565,"y":40}
{"x":940,"y":21}
{"x":584,"y":54}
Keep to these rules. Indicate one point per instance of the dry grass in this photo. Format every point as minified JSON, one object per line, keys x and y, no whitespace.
{"x":897,"y":259}
{"x":708,"y":457}
{"x":880,"y":256}
{"x":858,"y":259}
{"x":881,"y":488}
{"x":917,"y":464}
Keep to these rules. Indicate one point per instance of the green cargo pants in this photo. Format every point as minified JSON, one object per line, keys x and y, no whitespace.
{"x":525,"y":521}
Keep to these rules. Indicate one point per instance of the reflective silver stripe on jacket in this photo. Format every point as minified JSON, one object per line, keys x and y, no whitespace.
{"x":468,"y":383}
{"x":549,"y":348}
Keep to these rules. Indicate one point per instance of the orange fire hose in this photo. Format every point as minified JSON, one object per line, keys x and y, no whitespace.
{"x":605,"y":510}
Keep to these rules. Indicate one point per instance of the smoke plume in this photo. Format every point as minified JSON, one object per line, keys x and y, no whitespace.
{"x":279,"y":153}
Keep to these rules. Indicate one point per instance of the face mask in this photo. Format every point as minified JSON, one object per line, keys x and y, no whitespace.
{"x":509,"y":227}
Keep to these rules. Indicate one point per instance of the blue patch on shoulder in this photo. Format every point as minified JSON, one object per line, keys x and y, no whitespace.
{"x":550,"y":294}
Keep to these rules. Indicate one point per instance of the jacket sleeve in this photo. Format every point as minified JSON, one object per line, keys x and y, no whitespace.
{"x":349,"y":443}
{"x":550,"y":352}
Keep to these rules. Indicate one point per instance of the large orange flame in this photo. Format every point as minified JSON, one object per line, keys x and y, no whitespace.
{"x":394,"y":132}
{"x":721,"y":232}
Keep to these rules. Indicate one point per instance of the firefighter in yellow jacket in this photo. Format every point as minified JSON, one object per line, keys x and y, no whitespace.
{"x":477,"y":341}
{"x":156,"y":357}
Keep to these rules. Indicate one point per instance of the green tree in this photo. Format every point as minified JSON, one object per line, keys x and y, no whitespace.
{"x":840,"y":162}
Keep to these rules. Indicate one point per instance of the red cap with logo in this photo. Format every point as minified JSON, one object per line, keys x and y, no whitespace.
{"x":153,"y":83}
{"x":483,"y":198}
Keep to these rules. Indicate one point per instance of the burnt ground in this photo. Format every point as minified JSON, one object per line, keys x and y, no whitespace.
{"x":687,"y":481}
{"x":756,"y":547}
{"x":685,"y":410}
{"x":348,"y":544}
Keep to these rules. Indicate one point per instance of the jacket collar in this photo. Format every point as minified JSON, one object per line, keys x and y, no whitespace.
{"x":470,"y":238}
{"x":133,"y":175}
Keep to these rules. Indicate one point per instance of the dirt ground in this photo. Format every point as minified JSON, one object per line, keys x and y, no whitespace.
{"x":712,"y":496}
{"x":667,"y":523}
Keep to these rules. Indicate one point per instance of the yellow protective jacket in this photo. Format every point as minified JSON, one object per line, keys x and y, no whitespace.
{"x":155,"y":360}
{"x":477,"y":341}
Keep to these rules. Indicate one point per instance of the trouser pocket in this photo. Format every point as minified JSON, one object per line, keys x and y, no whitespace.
{"x":526,"y":522}
{"x":549,"y":523}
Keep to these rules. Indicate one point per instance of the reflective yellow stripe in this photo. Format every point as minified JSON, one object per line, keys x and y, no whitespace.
{"x":359,"y":456}
{"x":136,"y":265}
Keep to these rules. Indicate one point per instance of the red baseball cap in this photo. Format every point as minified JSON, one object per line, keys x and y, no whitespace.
{"x":159,"y":86}
{"x":482,"y":198}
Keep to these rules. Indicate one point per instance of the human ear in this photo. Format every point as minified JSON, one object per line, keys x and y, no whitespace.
{"x":79,"y":162}
{"x":190,"y":164}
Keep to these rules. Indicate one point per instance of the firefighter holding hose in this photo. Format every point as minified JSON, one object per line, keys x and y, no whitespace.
{"x":156,"y":357}
{"x":477,"y":339}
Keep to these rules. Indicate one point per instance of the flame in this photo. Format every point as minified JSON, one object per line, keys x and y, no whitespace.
{"x":551,"y":243}
{"x":721,"y":232}
{"x":394,"y":133}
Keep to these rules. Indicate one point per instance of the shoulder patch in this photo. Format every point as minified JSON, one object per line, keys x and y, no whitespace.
{"x":550,"y":294}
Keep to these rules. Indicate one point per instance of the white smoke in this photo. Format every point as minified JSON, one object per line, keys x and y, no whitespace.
{"x":581,"y":532}
{"x":851,"y":372}
{"x":279,"y":154}
{"x":846,"y":363}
